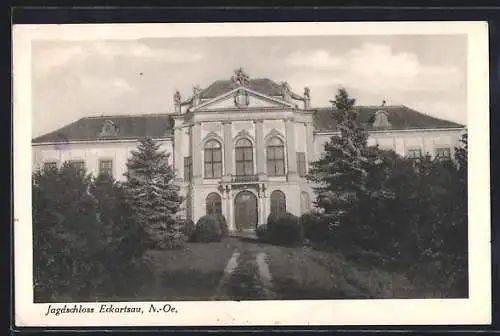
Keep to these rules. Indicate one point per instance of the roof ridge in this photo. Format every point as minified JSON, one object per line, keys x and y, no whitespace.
{"x":126,"y":115}
{"x":371,"y":106}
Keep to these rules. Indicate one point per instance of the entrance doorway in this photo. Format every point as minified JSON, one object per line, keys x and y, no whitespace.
{"x":245,"y":211}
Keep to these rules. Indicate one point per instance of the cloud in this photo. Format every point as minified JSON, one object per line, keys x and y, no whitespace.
{"x":319,"y":59}
{"x":375,"y":68}
{"x":48,"y":58}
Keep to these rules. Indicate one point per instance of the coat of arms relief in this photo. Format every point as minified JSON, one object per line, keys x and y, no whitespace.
{"x":241,"y":79}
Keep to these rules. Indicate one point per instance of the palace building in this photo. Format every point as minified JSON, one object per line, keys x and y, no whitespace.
{"x":240,"y":147}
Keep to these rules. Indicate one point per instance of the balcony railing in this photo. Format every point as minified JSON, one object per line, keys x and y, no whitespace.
{"x":245,"y":178}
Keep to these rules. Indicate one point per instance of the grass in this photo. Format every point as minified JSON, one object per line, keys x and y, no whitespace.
{"x":191,"y":273}
{"x":245,"y":283}
{"x":195,"y":271}
{"x":305,"y":273}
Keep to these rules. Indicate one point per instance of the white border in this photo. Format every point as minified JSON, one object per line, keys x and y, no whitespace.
{"x":475,"y":310}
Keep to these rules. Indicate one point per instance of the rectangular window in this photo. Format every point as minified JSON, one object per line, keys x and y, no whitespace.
{"x":213,"y":163}
{"x":106,"y":167}
{"x":301,"y":164}
{"x":275,"y":161}
{"x":415,"y":153}
{"x":244,"y":161}
{"x":188,"y":169}
{"x":443,"y":153}
{"x":78,"y":164}
{"x":49,"y":166}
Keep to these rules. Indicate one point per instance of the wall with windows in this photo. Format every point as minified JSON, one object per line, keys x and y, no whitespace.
{"x":95,"y":156}
{"x":412,"y":142}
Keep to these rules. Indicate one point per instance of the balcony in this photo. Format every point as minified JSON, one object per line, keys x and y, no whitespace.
{"x":244,"y":178}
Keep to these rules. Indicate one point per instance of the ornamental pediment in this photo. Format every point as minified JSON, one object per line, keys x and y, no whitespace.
{"x":243,"y":98}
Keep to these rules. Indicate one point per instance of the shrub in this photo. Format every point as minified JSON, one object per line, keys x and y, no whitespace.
{"x":188,"y":228}
{"x":272,"y":218}
{"x":207,"y":230}
{"x":69,"y":240}
{"x":168,"y":235}
{"x":262,"y":232}
{"x":222,"y":224}
{"x":285,"y":229}
{"x":315,"y":227}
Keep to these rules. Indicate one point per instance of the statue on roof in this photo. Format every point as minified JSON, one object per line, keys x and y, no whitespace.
{"x":240,"y":77}
{"x":177,"y":101}
{"x":196,"y":90}
{"x":285,"y":91}
{"x":196,"y":95}
{"x":307,"y":98}
{"x":177,"y":98}
{"x":307,"y":93}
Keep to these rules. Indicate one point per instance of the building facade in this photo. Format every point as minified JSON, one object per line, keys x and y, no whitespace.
{"x":240,"y":147}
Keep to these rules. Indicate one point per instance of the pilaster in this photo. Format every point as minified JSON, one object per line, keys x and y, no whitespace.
{"x":290,"y":149}
{"x":309,"y":142}
{"x":260,"y":148}
{"x":196,"y":153}
{"x":228,"y":150}
{"x":178,"y":157}
{"x":262,"y":205}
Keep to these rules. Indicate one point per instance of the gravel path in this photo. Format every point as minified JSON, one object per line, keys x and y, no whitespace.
{"x":247,"y":277}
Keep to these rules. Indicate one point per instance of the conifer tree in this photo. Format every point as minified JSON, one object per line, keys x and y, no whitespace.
{"x":152,"y":194}
{"x":350,"y":177}
{"x":339,"y":174}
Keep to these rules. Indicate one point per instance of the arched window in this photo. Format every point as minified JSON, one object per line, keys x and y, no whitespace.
{"x":278,"y":202}
{"x":275,"y":157}
{"x":305,"y":202}
{"x":213,"y":159}
{"x":244,"y":157}
{"x":213,"y":204}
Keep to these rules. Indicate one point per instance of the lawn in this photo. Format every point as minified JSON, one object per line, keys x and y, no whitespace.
{"x":191,"y":273}
{"x":195,"y":273}
{"x":305,"y":273}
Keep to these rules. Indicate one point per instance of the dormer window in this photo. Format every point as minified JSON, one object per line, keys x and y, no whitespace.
{"x":109,"y":128}
{"x":381,"y":120}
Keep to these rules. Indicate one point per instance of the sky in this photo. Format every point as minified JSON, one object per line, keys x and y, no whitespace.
{"x":74,"y":79}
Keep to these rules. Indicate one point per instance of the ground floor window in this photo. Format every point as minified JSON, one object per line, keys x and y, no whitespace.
{"x":278,"y":202}
{"x":47,"y":166}
{"x":106,"y":167}
{"x":78,"y":164}
{"x":213,"y":204}
{"x":443,"y":153}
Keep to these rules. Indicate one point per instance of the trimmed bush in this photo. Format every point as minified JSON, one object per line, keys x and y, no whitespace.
{"x":207,"y":230}
{"x":315,"y":227}
{"x":262,"y":232}
{"x":222,"y":224}
{"x":285,"y":229}
{"x":272,"y":217}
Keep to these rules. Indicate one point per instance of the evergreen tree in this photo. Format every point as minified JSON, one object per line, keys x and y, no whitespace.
{"x":340,"y":173}
{"x":152,"y":194}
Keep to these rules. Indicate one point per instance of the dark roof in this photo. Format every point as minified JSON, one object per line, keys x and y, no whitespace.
{"x":160,"y":125}
{"x":400,"y":117}
{"x":129,"y":127}
{"x":261,"y":85}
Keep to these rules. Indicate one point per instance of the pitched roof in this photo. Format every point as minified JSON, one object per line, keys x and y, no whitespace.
{"x":400,"y":118}
{"x":129,"y":127}
{"x":261,"y":85}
